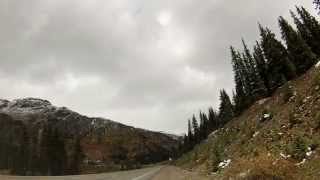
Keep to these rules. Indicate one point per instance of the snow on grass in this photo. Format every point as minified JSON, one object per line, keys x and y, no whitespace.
{"x":224,"y":163}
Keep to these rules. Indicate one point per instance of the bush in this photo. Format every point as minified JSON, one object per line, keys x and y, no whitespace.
{"x":298,"y":148}
{"x":216,"y":158}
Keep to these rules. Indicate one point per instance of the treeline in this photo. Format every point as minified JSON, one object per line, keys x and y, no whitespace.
{"x":258,"y":73}
{"x":40,"y":151}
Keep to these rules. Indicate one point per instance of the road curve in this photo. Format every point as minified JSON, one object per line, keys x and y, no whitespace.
{"x":153,"y":173}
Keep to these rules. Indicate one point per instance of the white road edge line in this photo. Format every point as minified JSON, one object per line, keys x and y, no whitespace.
{"x":147,"y":174}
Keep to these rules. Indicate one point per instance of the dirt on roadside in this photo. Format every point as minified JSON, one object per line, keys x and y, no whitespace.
{"x":175,"y":173}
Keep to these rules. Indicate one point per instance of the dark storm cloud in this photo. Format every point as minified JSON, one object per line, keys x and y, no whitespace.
{"x":147,"y":63}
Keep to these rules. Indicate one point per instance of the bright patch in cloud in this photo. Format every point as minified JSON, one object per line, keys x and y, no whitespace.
{"x":164,"y":18}
{"x":72,"y":82}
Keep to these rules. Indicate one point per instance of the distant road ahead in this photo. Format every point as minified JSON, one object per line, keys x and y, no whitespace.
{"x":154,"y":173}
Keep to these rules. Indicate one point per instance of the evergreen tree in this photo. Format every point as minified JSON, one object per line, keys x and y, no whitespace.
{"x":306,"y":34}
{"x":196,"y":130}
{"x":52,"y":152}
{"x":256,"y":84}
{"x":280,"y":68}
{"x":190,"y":141}
{"x":77,"y":156}
{"x":43,"y":164}
{"x":262,"y":67}
{"x":213,"y":120}
{"x":309,"y":28}
{"x":317,"y":3}
{"x":310,"y":22}
{"x":241,"y":99}
{"x":185,"y":145}
{"x":203,"y":126}
{"x":23,"y":153}
{"x":300,"y":53}
{"x":57,"y":154}
{"x":226,"y":107}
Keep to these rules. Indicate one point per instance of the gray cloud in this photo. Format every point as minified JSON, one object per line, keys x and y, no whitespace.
{"x":146,"y":63}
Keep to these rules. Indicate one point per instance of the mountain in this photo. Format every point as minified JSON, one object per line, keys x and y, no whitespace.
{"x":276,"y":138}
{"x":33,"y":130}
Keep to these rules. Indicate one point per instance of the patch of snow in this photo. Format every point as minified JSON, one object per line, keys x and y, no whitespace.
{"x":256,"y":134}
{"x":318,"y":65}
{"x":224,"y":163}
{"x":211,"y":135}
{"x":309,"y":152}
{"x":307,"y":98}
{"x":285,"y":156}
{"x":262,"y":101}
{"x":244,"y":174}
{"x":266,"y":116}
{"x":302,"y":162}
{"x":280,"y":133}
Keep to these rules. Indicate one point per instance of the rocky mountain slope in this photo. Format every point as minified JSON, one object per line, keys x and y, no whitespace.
{"x":105,"y":144}
{"x":276,"y":138}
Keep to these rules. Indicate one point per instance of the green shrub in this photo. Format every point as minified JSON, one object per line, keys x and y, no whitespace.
{"x":298,"y":148}
{"x":216,"y":157}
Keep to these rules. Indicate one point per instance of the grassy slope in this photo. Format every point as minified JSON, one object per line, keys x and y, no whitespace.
{"x":254,"y":147}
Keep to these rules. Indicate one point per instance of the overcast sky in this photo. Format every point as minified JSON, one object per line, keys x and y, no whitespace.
{"x":146,"y":63}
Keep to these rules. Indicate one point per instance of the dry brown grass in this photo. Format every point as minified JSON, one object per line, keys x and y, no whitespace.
{"x":262,"y":167}
{"x":255,"y":146}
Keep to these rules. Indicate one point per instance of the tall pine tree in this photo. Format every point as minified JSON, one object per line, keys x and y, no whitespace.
{"x":256,"y":84}
{"x":309,"y":28}
{"x":300,"y":53}
{"x":213,"y":120}
{"x":196,"y":130}
{"x":190,"y":136}
{"x":317,"y":3}
{"x":241,"y":98}
{"x":226,"y":107}
{"x":280,"y":68}
{"x":262,"y":67}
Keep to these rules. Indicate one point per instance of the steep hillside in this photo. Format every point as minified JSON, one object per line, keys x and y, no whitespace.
{"x":276,"y":138}
{"x":104,"y":144}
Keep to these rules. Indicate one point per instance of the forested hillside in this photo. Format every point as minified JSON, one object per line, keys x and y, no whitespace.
{"x":272,"y":115}
{"x":37,"y":138}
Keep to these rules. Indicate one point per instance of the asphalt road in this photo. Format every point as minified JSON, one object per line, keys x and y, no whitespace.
{"x":153,"y":173}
